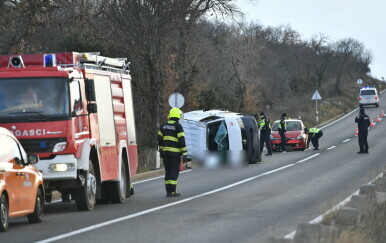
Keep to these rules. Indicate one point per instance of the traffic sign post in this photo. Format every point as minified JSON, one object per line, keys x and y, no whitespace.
{"x":316,"y":96}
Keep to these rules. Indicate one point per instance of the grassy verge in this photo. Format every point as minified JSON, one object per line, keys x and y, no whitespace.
{"x":371,"y":228}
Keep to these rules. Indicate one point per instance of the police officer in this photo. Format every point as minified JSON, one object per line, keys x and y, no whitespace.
{"x":171,"y":142}
{"x":313,"y":135}
{"x":282,"y":130}
{"x":363,"y":121}
{"x":265,"y":133}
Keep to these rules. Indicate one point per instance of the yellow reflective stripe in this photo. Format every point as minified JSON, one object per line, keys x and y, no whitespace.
{"x":181,"y":134}
{"x":185,"y":153}
{"x":167,"y":182}
{"x":184,"y":149}
{"x":171,"y":182}
{"x":171,"y":138}
{"x":171,"y":122}
{"x":160,"y":133}
{"x":171,"y":149}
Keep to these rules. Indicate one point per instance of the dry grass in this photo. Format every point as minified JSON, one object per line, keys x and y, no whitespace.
{"x":371,"y":227}
{"x":353,"y":237}
{"x":146,"y":159}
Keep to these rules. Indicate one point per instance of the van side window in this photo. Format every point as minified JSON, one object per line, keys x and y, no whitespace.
{"x":76,"y":102}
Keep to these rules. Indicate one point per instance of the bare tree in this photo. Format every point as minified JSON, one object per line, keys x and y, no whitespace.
{"x":144,"y":27}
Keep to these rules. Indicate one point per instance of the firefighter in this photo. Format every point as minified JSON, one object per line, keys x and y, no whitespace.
{"x":265,"y":134}
{"x":313,"y":135}
{"x":282,"y":130}
{"x":363,"y":121}
{"x":171,"y":142}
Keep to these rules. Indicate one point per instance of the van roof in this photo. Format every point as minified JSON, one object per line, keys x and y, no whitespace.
{"x":368,"y":88}
{"x":209,"y":115}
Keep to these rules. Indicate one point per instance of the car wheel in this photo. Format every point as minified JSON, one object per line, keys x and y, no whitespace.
{"x":3,"y":213}
{"x":85,"y":196}
{"x":36,"y":216}
{"x":118,"y":188}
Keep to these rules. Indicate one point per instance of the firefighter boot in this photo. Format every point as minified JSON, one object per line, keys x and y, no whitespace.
{"x":168,"y":190}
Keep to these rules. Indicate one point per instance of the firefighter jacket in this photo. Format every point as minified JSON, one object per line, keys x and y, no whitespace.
{"x":171,"y":139}
{"x":264,"y":125}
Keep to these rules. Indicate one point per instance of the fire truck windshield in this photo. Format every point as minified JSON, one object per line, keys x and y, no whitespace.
{"x":33,"y":99}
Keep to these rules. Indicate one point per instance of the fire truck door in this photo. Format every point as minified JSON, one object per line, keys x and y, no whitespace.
{"x":105,"y":110}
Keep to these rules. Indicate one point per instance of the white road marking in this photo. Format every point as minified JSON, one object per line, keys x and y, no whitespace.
{"x":331,"y":147}
{"x":135,"y":215}
{"x":345,"y":141}
{"x":340,"y":118}
{"x":308,"y":158}
{"x":320,"y":218}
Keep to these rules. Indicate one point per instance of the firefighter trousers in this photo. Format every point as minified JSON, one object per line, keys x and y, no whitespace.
{"x":172,"y":170}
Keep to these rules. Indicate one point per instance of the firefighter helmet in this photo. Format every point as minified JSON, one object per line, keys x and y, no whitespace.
{"x":175,"y":113}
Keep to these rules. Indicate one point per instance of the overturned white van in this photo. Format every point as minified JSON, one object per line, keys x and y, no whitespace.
{"x":221,"y":133}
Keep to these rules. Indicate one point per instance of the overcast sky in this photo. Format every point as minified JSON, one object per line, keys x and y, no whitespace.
{"x":363,"y":20}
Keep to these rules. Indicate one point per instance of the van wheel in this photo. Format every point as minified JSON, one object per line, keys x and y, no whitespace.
{"x":376,"y":105}
{"x":3,"y":213}
{"x":118,"y":188}
{"x":36,"y":216}
{"x":85,"y":196}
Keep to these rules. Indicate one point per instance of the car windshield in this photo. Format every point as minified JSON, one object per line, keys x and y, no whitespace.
{"x":290,"y":126}
{"x":33,"y":99}
{"x":368,"y":92}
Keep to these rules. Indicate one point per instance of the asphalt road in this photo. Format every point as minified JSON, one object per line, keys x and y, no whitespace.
{"x":226,"y":205}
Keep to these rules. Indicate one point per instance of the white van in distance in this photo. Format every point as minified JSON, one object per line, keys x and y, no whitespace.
{"x":368,"y":96}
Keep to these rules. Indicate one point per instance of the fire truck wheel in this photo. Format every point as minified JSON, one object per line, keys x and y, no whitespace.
{"x":36,"y":216}
{"x":118,"y":188}
{"x":85,"y":196}
{"x":3,"y":213}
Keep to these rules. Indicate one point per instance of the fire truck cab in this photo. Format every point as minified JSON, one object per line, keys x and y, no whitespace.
{"x":74,"y":110}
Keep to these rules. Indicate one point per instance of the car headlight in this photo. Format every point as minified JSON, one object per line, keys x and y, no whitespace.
{"x":59,"y":147}
{"x":61,"y":167}
{"x":300,"y":136}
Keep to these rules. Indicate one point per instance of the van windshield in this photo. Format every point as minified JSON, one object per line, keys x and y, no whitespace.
{"x":33,"y":99}
{"x":368,"y":92}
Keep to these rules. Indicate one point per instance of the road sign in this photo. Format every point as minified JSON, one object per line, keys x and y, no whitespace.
{"x":316,"y":96}
{"x":176,"y":100}
{"x":359,"y":81}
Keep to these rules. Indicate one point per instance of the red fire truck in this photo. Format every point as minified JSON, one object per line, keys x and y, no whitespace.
{"x":75,"y":110}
